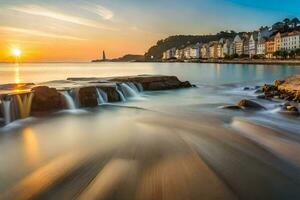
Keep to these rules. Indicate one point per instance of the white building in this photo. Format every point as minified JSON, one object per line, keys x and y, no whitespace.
{"x":238,"y":45}
{"x":171,"y":53}
{"x":290,"y":41}
{"x":253,"y":45}
{"x":205,"y":51}
{"x":261,"y":47}
{"x":228,"y":48}
{"x":179,"y":54}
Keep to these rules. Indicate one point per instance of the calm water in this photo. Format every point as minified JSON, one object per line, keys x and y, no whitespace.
{"x":162,"y":145}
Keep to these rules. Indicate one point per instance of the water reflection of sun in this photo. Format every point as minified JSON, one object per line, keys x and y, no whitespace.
{"x":31,"y":147}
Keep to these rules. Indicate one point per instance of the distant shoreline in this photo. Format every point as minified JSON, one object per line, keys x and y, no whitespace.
{"x":240,"y":61}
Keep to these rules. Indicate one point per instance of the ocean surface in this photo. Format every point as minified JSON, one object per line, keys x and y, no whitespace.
{"x":176,"y":144}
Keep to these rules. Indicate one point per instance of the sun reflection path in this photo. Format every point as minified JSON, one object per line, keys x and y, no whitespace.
{"x":17,"y":73}
{"x":31,"y":147}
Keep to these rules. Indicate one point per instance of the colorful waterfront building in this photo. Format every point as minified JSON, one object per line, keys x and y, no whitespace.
{"x":270,"y":47}
{"x":238,"y":45}
{"x":253,"y":43}
{"x":290,"y":41}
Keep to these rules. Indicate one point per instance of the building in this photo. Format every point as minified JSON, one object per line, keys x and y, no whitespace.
{"x":270,"y":47}
{"x":220,"y":53}
{"x":205,"y":51}
{"x":290,"y":41}
{"x":277,"y":41}
{"x":245,"y":45}
{"x":253,"y":42}
{"x":238,"y":45}
{"x":179,"y":54}
{"x":195,"y":51}
{"x":261,"y":47}
{"x":213,"y":50}
{"x":228,"y":48}
{"x":169,"y":54}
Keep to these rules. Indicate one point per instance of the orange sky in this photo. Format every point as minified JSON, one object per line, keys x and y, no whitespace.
{"x":79,"y":30}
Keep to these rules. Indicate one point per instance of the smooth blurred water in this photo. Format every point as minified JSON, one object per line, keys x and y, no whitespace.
{"x":175,"y":144}
{"x":196,"y":73}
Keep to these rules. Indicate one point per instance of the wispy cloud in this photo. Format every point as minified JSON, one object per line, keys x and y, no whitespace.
{"x":38,"y":33}
{"x":45,"y":12}
{"x":104,"y":12}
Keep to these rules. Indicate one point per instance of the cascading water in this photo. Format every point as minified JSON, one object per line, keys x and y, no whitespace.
{"x":121,"y":95}
{"x":24,"y":104}
{"x":128,"y":91}
{"x":69,"y":100}
{"x":140,"y":87}
{"x":101,"y":96}
{"x":133,"y":86}
{"x":6,"y":111}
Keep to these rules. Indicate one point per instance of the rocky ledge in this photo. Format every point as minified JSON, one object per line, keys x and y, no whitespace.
{"x":28,"y":99}
{"x":288,"y":89}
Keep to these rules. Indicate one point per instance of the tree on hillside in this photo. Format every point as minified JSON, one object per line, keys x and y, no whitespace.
{"x":295,"y":21}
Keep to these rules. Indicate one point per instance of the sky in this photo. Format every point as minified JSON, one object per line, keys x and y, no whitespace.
{"x":79,"y":30}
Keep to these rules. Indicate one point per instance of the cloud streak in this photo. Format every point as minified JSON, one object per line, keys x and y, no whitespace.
{"x":39,"y":33}
{"x":44,"y":12}
{"x":104,"y":12}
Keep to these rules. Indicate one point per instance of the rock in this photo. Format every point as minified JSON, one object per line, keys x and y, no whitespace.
{"x":46,"y":100}
{"x":155,"y":82}
{"x":87,"y":97}
{"x":261,"y":96}
{"x":249,"y":104}
{"x":277,"y":83}
{"x":231,"y":107}
{"x":246,"y":88}
{"x":260,"y":90}
{"x":112,"y":93}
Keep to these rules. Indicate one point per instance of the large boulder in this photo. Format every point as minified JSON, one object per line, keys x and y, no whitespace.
{"x":87,"y":97}
{"x":249,"y":104}
{"x":46,"y":100}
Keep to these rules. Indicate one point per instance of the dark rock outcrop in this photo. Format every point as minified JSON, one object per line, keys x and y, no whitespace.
{"x":112,"y":93}
{"x":46,"y":100}
{"x":249,"y":104}
{"x":290,"y":109}
{"x":231,"y":107}
{"x":87,"y":97}
{"x":155,"y":82}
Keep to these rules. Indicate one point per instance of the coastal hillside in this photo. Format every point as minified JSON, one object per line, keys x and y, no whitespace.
{"x":181,"y":41}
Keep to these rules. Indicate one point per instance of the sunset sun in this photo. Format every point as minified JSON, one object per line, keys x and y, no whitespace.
{"x":16,"y":52}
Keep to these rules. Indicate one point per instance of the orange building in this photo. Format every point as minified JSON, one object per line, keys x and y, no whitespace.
{"x":270,"y":47}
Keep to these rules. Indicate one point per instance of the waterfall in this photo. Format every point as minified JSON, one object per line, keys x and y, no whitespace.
{"x":133,"y":86}
{"x":128,"y":91}
{"x":6,"y":111}
{"x":121,"y":95}
{"x":24,"y":104}
{"x":140,"y":87}
{"x":69,"y":100}
{"x":101,"y":96}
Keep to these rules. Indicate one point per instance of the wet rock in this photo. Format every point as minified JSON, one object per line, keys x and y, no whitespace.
{"x":246,"y":88}
{"x":261,"y":96}
{"x":46,"y":100}
{"x":249,"y":104}
{"x":278,"y":82}
{"x":112,"y":93}
{"x":87,"y":97}
{"x":231,"y":107}
{"x":259,"y":90}
{"x":155,"y":82}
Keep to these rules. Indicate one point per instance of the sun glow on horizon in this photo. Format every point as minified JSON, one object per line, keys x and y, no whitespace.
{"x":16,"y":52}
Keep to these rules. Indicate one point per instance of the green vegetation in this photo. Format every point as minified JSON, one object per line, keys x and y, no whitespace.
{"x":181,"y":41}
